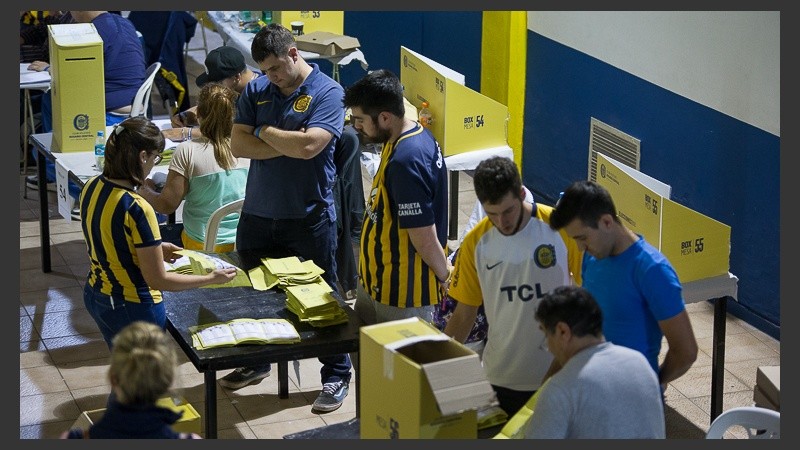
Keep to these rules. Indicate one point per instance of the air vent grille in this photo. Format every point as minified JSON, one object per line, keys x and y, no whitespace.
{"x":613,"y":143}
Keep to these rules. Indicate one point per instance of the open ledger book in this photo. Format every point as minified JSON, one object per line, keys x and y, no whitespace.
{"x":244,"y":331}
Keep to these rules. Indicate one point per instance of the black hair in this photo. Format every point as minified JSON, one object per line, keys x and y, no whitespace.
{"x":585,"y":200}
{"x":574,"y":306}
{"x":273,"y":39}
{"x":378,"y":91}
{"x":494,"y":178}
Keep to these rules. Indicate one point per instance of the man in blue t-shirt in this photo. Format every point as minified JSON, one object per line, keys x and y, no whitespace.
{"x":635,"y":285}
{"x":287,"y":123}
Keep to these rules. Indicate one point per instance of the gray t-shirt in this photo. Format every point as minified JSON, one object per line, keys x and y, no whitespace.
{"x":603,"y":392}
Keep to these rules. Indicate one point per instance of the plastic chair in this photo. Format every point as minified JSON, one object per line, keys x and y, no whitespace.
{"x":141,"y":101}
{"x":212,"y":226}
{"x":760,"y":423}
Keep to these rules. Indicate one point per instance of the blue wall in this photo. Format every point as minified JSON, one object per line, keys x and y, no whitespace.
{"x":716,"y":165}
{"x":449,"y":38}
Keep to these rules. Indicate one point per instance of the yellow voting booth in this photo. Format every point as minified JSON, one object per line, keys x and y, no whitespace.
{"x":697,"y":246}
{"x":463,"y":119}
{"x":78,"y":86}
{"x":330,"y":21}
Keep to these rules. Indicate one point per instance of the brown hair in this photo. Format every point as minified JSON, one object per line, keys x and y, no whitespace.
{"x":127,"y":139}
{"x":216,"y":106}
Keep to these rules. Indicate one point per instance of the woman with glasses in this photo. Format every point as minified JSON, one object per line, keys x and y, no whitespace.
{"x":126,"y":254}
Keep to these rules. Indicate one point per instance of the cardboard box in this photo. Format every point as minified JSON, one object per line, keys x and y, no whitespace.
{"x":463,"y":119}
{"x":761,"y":400}
{"x":188,"y":423}
{"x":418,"y":383}
{"x":78,"y":86}
{"x":768,"y":380}
{"x":332,"y":21}
{"x":696,"y":245}
{"x":326,"y":43}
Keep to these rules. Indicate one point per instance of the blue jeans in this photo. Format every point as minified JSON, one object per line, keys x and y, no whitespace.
{"x":314,"y":238}
{"x":113,"y":314}
{"x":47,"y":127}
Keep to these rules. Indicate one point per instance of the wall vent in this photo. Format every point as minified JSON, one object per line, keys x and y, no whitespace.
{"x":613,"y":143}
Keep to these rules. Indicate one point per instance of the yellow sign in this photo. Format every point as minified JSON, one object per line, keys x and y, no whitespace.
{"x":696,"y":245}
{"x":463,"y":120}
{"x":331,"y":21}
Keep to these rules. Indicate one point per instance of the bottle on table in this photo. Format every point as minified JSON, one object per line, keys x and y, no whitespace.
{"x":425,"y":116}
{"x":100,"y":150}
{"x":266,"y":17}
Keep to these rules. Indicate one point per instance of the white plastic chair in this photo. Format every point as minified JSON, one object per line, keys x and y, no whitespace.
{"x":212,"y":226}
{"x":141,"y":102}
{"x":760,"y":423}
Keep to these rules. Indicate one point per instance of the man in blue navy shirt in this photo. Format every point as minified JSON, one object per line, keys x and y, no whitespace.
{"x":287,"y":123}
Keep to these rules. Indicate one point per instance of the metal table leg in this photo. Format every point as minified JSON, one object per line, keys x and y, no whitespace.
{"x":718,"y":356}
{"x":452,"y":234}
{"x":211,"y":404}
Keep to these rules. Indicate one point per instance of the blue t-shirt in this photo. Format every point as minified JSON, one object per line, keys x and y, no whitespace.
{"x":284,"y":187}
{"x":123,"y":59}
{"x":635,"y":290}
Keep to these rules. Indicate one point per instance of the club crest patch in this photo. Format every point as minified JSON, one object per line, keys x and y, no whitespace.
{"x":545,"y":256}
{"x":301,"y":103}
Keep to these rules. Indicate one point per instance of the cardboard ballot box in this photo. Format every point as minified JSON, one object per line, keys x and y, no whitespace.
{"x":463,"y":119}
{"x":331,"y":21}
{"x":326,"y":43}
{"x":188,"y":423}
{"x":767,"y":391}
{"x":78,"y":86}
{"x":418,"y":383}
{"x":697,"y":246}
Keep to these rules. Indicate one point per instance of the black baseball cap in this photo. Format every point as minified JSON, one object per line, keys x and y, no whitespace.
{"x":221,"y":63}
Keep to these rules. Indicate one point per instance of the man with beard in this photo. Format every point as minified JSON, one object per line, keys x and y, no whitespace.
{"x":402,"y":264}
{"x":507,"y":263}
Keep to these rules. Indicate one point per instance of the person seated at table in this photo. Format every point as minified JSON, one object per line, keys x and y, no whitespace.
{"x":204,"y":173}
{"x":34,"y":42}
{"x":141,"y":371}
{"x":603,"y":390}
{"x":224,"y":65}
{"x":123,"y":240}
{"x":123,"y":72}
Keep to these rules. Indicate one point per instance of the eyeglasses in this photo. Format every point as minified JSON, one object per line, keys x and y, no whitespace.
{"x":157,"y":158}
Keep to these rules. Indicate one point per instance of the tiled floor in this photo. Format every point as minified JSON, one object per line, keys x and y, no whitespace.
{"x":63,"y":359}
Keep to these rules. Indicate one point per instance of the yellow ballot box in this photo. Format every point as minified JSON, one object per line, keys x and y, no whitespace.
{"x":331,"y":21}
{"x":78,"y":86}
{"x":418,"y":383}
{"x":696,"y":245}
{"x":463,"y":119}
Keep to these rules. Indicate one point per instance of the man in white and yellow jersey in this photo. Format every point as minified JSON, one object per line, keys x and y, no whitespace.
{"x":507,"y":263}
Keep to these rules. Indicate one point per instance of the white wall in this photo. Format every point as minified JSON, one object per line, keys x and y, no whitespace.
{"x":726,"y":60}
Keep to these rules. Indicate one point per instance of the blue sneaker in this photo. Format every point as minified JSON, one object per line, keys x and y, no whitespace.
{"x":331,"y":397}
